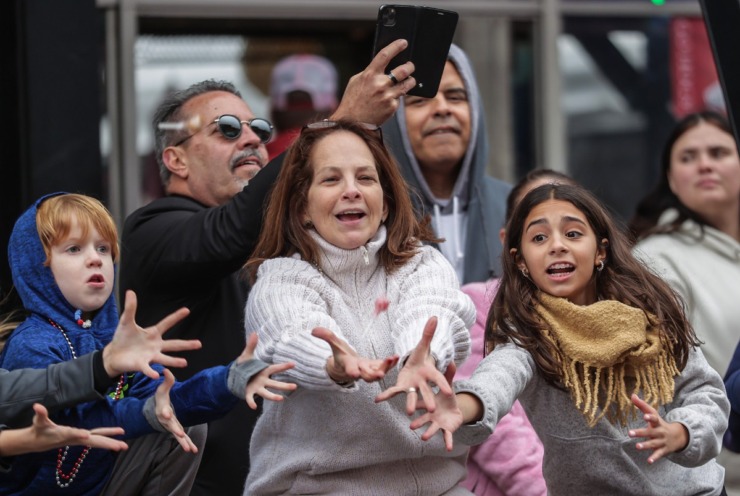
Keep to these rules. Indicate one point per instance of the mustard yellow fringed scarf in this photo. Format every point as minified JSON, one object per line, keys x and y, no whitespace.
{"x":603,"y":347}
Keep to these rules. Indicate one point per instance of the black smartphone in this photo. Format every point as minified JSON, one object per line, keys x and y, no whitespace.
{"x":429,"y":32}
{"x":722,"y":17}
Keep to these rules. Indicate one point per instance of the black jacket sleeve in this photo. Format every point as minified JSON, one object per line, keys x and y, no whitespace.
{"x":175,"y":239}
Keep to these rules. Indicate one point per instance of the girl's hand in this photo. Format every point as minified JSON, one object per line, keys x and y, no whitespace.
{"x":416,"y":375}
{"x":44,"y":434}
{"x":49,"y":435}
{"x":345,"y":365}
{"x":662,"y":437}
{"x":166,"y":414}
{"x":447,"y":416}
{"x":260,"y":382}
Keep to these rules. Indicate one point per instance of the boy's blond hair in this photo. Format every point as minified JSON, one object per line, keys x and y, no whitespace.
{"x":54,"y":221}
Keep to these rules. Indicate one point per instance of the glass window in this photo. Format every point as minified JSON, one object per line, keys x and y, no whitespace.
{"x":625,"y":82}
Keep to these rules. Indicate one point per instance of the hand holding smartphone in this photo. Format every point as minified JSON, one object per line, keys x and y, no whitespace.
{"x":429,"y":32}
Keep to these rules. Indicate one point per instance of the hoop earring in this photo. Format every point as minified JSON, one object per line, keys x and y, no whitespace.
{"x":600,"y":267}
{"x":524,"y":272}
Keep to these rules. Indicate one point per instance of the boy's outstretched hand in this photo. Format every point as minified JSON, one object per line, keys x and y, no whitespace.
{"x":260,"y":382}
{"x":662,"y":437}
{"x":417,"y":374}
{"x":133,"y":348}
{"x":166,"y":414}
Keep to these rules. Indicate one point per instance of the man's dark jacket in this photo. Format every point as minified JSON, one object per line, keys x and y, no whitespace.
{"x":176,"y":252}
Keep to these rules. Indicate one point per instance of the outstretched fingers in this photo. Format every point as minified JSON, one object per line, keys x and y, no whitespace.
{"x":261,"y":384}
{"x":425,"y":343}
{"x":133,"y":348}
{"x":446,"y":418}
{"x":166,"y":323}
{"x":660,"y":436}
{"x":166,"y":414}
{"x":168,"y":346}
{"x":418,"y":374}
{"x":248,"y":352}
{"x":47,"y":435}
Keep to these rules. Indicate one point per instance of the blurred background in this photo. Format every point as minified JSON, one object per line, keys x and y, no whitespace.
{"x":589,"y":87}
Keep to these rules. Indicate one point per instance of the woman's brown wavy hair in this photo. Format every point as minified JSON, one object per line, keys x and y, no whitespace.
{"x":284,"y":233}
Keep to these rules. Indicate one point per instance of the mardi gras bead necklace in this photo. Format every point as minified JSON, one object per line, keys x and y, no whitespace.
{"x":64,"y":480}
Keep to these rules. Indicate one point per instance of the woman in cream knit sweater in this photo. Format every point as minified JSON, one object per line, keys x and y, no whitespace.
{"x":345,"y":289}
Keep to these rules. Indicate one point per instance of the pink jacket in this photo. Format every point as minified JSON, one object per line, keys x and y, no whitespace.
{"x":510,"y":461}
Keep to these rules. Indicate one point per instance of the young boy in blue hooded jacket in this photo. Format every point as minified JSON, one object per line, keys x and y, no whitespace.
{"x":62,"y":253}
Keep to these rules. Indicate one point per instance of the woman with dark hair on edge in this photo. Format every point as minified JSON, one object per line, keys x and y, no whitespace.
{"x":346,"y":288}
{"x":688,"y":231}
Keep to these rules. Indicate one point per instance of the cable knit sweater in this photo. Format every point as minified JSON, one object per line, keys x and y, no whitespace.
{"x":326,"y":439}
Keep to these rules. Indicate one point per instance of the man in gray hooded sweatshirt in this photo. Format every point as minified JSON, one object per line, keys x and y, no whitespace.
{"x":440,"y":145}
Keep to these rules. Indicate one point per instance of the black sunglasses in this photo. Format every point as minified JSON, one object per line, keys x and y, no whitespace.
{"x":326,"y":124}
{"x":230,"y":127}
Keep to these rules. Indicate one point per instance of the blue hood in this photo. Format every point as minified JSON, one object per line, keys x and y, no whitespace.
{"x":36,"y":285}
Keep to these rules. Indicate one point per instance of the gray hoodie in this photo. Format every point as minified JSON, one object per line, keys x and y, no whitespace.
{"x":477,"y":209}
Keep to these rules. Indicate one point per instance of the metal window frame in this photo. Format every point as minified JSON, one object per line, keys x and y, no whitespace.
{"x":122,"y":17}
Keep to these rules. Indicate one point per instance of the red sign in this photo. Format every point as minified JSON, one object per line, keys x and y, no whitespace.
{"x":695,"y":84}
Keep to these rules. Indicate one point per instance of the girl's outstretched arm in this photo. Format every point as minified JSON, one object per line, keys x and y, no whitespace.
{"x":662,"y":437}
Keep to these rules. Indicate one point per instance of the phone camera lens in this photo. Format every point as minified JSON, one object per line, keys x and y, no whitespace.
{"x":389,"y":17}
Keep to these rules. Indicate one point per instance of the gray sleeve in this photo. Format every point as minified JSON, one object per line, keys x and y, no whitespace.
{"x":510,"y":369}
{"x":241,"y":373}
{"x":237,"y":380}
{"x":701,"y":405}
{"x":58,"y":386}
{"x":150,"y":414}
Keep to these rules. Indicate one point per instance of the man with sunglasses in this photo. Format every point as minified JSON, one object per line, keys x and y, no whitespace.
{"x":186,"y":249}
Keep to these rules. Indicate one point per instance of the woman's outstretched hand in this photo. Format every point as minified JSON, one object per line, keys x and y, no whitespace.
{"x":417,"y":374}
{"x":345,"y":365}
{"x":662,"y":437}
{"x":258,"y":384}
{"x":447,"y":416}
